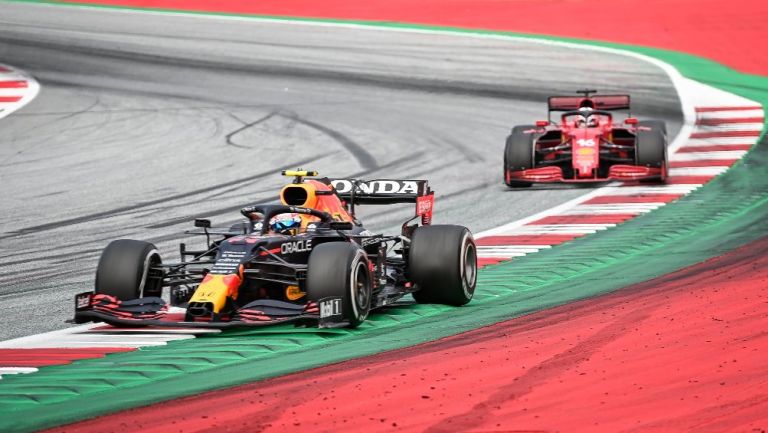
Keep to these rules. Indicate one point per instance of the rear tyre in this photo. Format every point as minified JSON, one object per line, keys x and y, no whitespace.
{"x":651,"y":151}
{"x":341,"y":269}
{"x":442,"y":261}
{"x":125,"y":270}
{"x":518,"y":154}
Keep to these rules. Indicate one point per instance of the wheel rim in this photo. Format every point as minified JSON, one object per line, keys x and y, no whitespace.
{"x":151,"y":283}
{"x":145,"y":270}
{"x":470,"y":266}
{"x":360,"y":292}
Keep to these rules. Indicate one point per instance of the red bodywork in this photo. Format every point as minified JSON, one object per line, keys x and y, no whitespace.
{"x":586,"y":148}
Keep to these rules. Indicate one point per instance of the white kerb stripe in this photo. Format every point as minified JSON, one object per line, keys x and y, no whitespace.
{"x":697,"y":171}
{"x":608,"y":209}
{"x":656,"y":189}
{"x":730,"y":127}
{"x":163,"y":330}
{"x":16,"y":370}
{"x":44,"y":340}
{"x":79,"y":338}
{"x":130,"y":341}
{"x":720,"y":141}
{"x":560,"y":228}
{"x":500,"y":256}
{"x":27,"y":94}
{"x":700,"y":156}
{"x":509,"y":249}
{"x":731,"y":114}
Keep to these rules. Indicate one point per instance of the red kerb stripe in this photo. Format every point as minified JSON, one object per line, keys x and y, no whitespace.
{"x":725,"y":121}
{"x":584,"y":219}
{"x":10,"y":98}
{"x":485,"y":261}
{"x":714,"y":148}
{"x":688,"y":180}
{"x":721,"y":134}
{"x":703,"y":163}
{"x":525,"y":240}
{"x":13,"y":84}
{"x":639,"y":198}
{"x":710,"y":109}
{"x":44,"y":357}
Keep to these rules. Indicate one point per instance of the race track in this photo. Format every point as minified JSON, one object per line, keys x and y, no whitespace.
{"x":145,"y":121}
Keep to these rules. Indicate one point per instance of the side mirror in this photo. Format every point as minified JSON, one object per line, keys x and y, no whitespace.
{"x":203,"y":223}
{"x":631,"y":121}
{"x":341,"y":225}
{"x":542,"y":123}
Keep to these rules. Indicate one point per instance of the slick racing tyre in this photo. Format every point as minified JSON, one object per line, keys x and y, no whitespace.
{"x":651,"y":151}
{"x":442,"y":261}
{"x":125,"y":270}
{"x":518,"y":154}
{"x":341,"y":270}
{"x":655,"y":125}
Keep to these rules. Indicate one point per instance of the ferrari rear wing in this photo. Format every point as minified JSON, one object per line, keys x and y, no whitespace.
{"x":600,"y":102}
{"x":387,"y":191}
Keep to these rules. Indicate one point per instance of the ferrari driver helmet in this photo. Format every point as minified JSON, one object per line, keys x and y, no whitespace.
{"x":587,"y":118}
{"x":285,"y":223}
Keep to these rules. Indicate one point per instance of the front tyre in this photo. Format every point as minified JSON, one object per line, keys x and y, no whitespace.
{"x":341,"y":270}
{"x":518,"y":154}
{"x":651,"y":151}
{"x":442,"y":261}
{"x":655,"y":125}
{"x":125,"y":270}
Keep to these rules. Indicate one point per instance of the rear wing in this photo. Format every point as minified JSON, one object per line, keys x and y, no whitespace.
{"x":387,"y":191}
{"x":380,"y":191}
{"x":600,"y":102}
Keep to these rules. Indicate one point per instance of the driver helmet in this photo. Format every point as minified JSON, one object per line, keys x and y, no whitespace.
{"x":285,"y":223}
{"x":587,"y":119}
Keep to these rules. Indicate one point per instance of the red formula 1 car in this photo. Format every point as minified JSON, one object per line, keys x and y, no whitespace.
{"x":588,"y":145}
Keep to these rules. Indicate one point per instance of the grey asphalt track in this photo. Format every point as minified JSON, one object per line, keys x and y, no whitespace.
{"x":145,"y":121}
